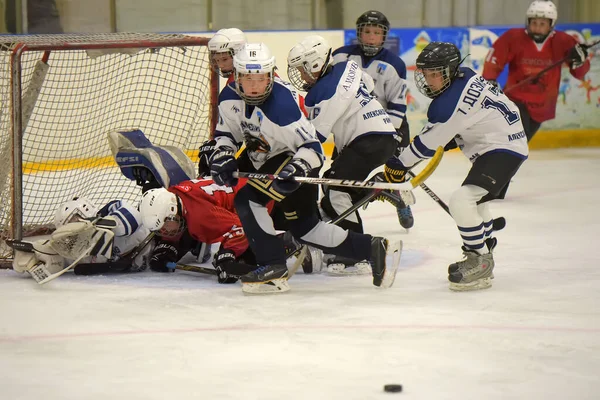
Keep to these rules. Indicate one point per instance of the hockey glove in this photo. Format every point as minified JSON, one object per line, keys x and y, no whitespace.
{"x":577,"y":56}
{"x":222,"y":167}
{"x":222,"y":258}
{"x":162,"y":255}
{"x":296,"y":168}
{"x":395,"y":171}
{"x":206,"y":151}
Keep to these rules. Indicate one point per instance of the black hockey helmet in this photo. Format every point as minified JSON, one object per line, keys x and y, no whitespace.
{"x":439,"y":57}
{"x":372,"y":18}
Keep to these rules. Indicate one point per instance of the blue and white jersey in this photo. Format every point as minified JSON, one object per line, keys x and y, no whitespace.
{"x":477,"y":115}
{"x":389,"y":75}
{"x":340,"y":102}
{"x":274,"y":127}
{"x":129,"y":232}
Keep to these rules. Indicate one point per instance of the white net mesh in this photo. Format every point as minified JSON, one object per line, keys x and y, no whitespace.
{"x":161,"y":84}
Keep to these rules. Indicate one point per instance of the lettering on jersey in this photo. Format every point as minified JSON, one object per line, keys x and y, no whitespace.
{"x":474,"y":157}
{"x":372,"y":114}
{"x":474,"y":91}
{"x":536,"y":61}
{"x":381,"y":68}
{"x":516,"y":136}
{"x":235,"y":109}
{"x":249,"y":127}
{"x":350,"y":77}
{"x":314,"y":113}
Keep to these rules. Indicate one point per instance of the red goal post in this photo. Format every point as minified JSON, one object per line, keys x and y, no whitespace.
{"x":62,"y":94}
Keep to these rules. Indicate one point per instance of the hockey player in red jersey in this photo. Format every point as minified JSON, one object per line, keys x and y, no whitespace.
{"x":527,"y":52}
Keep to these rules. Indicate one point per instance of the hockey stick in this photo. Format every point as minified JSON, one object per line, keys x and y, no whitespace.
{"x":413,"y":183}
{"x":548,"y":68}
{"x":498,"y":223}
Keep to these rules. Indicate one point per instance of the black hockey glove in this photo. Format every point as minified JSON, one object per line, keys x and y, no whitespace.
{"x":206,"y":151}
{"x":163,"y":254}
{"x":394,"y":171}
{"x":222,"y":167}
{"x":577,"y":56}
{"x":223,"y":257}
{"x":296,"y":168}
{"x":402,"y":137}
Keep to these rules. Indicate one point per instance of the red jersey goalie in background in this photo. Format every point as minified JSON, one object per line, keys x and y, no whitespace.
{"x":527,"y":52}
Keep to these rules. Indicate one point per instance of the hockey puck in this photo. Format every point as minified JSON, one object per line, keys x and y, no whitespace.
{"x":392,"y":388}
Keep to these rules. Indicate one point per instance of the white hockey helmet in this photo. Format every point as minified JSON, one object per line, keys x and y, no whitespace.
{"x":73,"y":210}
{"x":254,"y":58}
{"x":542,"y":9}
{"x":307,"y":60}
{"x":162,"y":211}
{"x":229,"y":41}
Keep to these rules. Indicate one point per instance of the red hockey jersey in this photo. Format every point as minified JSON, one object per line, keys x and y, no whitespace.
{"x":526,"y":58}
{"x":210,"y":213}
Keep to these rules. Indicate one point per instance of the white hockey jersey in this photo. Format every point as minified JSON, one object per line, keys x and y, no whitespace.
{"x":274,"y":127}
{"x":129,"y":231}
{"x":477,"y":115}
{"x":389,"y":75}
{"x":340,"y":102}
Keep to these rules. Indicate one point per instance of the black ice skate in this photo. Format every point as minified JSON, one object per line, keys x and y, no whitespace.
{"x":385,"y":260}
{"x":266,"y":279}
{"x":340,"y":266}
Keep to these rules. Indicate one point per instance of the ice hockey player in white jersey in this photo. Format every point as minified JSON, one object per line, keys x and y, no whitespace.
{"x":339,"y":101}
{"x":222,"y":46}
{"x":389,"y":75}
{"x":487,"y":128}
{"x":262,"y":111}
{"x":128,"y":233}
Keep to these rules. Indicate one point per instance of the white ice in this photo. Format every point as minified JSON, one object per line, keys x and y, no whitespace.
{"x":534,"y":335}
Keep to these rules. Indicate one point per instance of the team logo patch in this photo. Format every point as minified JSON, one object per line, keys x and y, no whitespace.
{"x":381,"y":68}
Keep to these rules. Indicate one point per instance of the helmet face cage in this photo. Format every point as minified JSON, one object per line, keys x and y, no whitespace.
{"x":215,"y":66}
{"x":296,"y":79}
{"x":173,"y":226}
{"x":425,"y":88}
{"x":371,"y":49}
{"x":541,"y":9}
{"x":253,"y":100}
{"x":307,"y":61}
{"x":77,"y":209}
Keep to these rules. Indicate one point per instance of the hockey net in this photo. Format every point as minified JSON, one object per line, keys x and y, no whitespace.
{"x":61,"y":95}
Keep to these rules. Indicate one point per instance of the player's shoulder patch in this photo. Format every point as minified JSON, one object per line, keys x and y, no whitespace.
{"x":282,"y":106}
{"x":442,"y":107}
{"x":387,"y":57}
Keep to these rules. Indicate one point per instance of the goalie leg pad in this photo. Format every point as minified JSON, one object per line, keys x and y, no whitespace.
{"x":40,"y":263}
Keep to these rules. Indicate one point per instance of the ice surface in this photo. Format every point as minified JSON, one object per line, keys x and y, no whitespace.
{"x":534,"y":335}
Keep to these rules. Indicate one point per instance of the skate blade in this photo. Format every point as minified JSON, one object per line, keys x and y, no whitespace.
{"x":479,"y":284}
{"x":362,"y":268}
{"x":274,"y":286}
{"x":395,"y":252}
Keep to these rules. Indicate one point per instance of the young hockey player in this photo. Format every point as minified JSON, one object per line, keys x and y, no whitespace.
{"x":128,"y":234}
{"x":527,"y":52}
{"x":338,"y":100}
{"x":262,"y":111}
{"x":487,"y":128}
{"x":389,"y":75}
{"x":222,"y":46}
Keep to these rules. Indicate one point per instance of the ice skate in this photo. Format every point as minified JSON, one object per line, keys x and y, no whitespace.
{"x":385,"y":260}
{"x":475,"y":272}
{"x":266,"y":279}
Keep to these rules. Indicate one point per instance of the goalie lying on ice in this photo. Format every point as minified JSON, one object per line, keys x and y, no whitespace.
{"x":120,"y":218}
